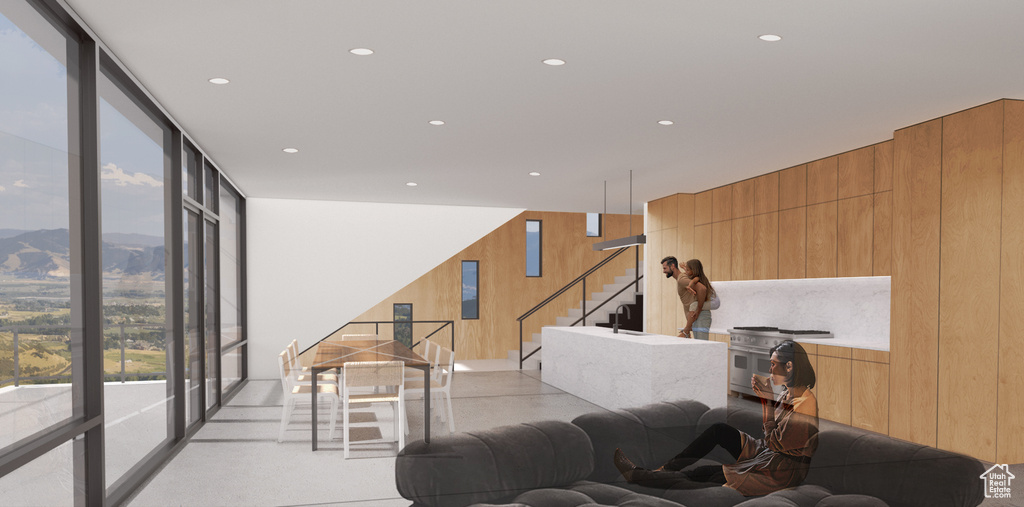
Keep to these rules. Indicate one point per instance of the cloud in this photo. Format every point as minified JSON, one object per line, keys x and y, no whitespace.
{"x":21,"y":184}
{"x":122,"y":179}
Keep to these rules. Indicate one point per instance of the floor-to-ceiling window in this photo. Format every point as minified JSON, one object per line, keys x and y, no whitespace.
{"x":232,"y":277}
{"x":111,"y":278}
{"x":192,"y":285}
{"x":40,"y":285}
{"x":136,"y":337}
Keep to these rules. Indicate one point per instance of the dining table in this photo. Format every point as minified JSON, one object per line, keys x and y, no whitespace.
{"x":332,"y":353}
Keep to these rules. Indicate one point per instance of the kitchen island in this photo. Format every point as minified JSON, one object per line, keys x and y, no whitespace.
{"x":630,"y":369}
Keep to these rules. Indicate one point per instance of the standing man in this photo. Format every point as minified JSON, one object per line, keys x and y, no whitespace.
{"x":687,"y":294}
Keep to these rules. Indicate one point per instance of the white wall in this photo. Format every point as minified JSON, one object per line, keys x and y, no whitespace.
{"x":315,"y":265}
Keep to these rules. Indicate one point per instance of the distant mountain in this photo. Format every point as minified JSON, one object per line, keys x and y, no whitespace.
{"x":45,"y":254}
{"x":119,"y":238}
{"x":10,"y":233}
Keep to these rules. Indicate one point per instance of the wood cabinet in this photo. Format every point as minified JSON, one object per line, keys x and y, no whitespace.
{"x":869,"y":388}
{"x":914,"y":321}
{"x":793,"y":187}
{"x":857,"y":172}
{"x":822,"y":181}
{"x":833,"y":386}
{"x":852,"y":386}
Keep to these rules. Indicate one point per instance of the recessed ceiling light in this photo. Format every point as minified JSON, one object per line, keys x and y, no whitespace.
{"x":534,"y":173}
{"x":219,"y":80}
{"x":770,"y":37}
{"x":436,"y":122}
{"x":410,"y":184}
{"x":666,"y":122}
{"x":361,"y":51}
{"x":290,"y":150}
{"x":554,"y":61}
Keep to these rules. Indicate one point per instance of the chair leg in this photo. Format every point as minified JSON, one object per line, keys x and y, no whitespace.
{"x":400,"y":405}
{"x":405,"y":419}
{"x":451,"y":417}
{"x":438,"y":402}
{"x":334,"y":416}
{"x":344,"y":422}
{"x":286,"y":412}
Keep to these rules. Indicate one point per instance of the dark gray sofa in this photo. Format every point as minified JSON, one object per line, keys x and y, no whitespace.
{"x":556,"y":464}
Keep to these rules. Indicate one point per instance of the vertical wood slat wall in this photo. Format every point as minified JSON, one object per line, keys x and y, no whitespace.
{"x":938,"y":208}
{"x":505,"y":292}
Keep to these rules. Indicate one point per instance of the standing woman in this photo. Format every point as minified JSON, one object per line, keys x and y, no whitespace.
{"x":697,"y":318}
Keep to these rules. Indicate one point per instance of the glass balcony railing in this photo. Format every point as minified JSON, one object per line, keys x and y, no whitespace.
{"x":41,"y":354}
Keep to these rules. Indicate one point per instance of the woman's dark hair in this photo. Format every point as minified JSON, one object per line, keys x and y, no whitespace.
{"x":803,"y":373}
{"x":698,"y":271}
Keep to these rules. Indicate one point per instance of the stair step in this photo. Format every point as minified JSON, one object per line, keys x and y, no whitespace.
{"x":533,"y":363}
{"x":626,"y":280}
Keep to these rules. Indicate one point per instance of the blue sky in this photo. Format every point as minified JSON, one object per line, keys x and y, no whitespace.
{"x":34,"y":145}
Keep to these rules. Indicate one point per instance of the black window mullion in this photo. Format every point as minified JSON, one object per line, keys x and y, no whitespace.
{"x":89,"y":464}
{"x":175,"y":269}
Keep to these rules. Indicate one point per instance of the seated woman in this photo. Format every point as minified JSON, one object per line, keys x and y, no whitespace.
{"x":779,"y":460}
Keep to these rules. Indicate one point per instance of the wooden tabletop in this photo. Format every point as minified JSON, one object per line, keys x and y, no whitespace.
{"x":334,"y":354}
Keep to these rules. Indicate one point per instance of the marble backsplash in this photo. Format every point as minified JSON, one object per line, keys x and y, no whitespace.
{"x":855,"y":310}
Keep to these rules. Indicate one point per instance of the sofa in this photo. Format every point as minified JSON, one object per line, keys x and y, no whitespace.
{"x":555,"y":463}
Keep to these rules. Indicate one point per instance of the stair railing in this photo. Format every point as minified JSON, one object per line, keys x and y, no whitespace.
{"x":582,"y":279}
{"x":613,"y":296}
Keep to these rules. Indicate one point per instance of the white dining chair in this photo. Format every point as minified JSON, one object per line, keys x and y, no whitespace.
{"x":428,"y":350}
{"x":440,"y":388}
{"x":375,"y":374}
{"x":301,"y":376}
{"x":299,"y":395}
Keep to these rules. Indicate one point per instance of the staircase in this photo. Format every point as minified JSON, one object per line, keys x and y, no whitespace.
{"x":603,"y":316}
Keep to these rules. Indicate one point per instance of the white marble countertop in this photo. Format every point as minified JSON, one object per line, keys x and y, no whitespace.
{"x":853,"y":342}
{"x":625,"y":370}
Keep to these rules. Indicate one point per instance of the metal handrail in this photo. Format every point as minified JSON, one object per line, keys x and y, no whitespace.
{"x":630,"y":284}
{"x":582,"y":278}
{"x":570,"y":285}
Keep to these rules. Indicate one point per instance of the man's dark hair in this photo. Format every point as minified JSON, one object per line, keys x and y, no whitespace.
{"x":672,"y":261}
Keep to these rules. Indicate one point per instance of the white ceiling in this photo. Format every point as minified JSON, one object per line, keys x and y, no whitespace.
{"x":845,"y":75}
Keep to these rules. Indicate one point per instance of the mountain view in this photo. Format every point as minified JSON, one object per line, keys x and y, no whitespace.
{"x":35,"y":307}
{"x":45,"y":254}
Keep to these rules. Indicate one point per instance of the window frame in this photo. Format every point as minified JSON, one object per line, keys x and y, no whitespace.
{"x":540,"y":248}
{"x":462,"y":286}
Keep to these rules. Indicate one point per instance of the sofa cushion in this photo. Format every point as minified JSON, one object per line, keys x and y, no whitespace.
{"x":851,"y":501}
{"x":648,"y":435}
{"x":898,"y":472}
{"x":573,"y":498}
{"x":804,"y":495}
{"x":493,"y":465}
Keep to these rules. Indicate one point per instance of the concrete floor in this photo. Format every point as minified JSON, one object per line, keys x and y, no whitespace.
{"x":235,"y":459}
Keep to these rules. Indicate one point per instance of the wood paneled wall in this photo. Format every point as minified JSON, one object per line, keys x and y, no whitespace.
{"x":1010,"y":402}
{"x":938,"y":208}
{"x":505,"y":292}
{"x":828,"y":218}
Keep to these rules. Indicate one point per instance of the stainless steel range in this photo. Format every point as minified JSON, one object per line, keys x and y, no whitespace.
{"x":749,"y":349}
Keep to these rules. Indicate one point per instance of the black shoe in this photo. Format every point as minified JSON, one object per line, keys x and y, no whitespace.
{"x":625,"y":466}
